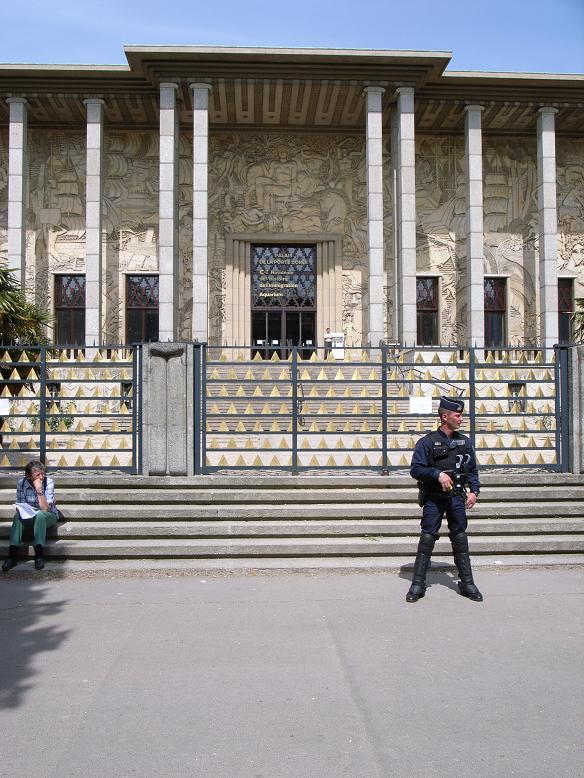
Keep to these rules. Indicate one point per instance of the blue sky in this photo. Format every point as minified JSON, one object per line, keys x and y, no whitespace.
{"x":505,"y":35}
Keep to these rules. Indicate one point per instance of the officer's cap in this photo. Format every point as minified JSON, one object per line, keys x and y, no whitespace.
{"x":451,"y":404}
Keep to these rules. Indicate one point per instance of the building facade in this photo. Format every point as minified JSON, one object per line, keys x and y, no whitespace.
{"x":245,"y":196}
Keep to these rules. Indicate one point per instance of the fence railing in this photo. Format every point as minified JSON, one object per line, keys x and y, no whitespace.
{"x":288,"y":410}
{"x":73,"y":408}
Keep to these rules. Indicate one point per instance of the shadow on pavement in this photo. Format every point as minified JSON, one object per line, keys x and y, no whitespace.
{"x":26,"y":610}
{"x":439,"y":574}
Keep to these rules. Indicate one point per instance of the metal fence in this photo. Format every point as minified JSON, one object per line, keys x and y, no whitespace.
{"x":73,"y":408}
{"x":278,"y":409}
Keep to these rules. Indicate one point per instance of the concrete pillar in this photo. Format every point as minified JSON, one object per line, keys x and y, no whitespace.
{"x":168,"y":268}
{"x":374,"y":160}
{"x":167,"y":409}
{"x":93,"y":221}
{"x":17,"y":186}
{"x":473,"y":156}
{"x":200,"y":197}
{"x":548,"y":226}
{"x":406,"y":175}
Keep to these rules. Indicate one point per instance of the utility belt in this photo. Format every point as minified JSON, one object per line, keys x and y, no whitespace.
{"x":426,"y":492}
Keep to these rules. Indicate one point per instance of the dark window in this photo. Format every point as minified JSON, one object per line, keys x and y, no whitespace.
{"x":565,"y":309}
{"x":70,"y":310}
{"x":427,"y":311}
{"x":495,"y":309}
{"x":141,"y":308}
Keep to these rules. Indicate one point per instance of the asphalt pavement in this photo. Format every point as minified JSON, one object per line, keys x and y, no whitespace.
{"x":270,"y":676}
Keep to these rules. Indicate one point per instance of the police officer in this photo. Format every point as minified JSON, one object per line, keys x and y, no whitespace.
{"x":443,"y":462}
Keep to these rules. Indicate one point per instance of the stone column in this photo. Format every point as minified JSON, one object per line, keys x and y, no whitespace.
{"x":406,"y":175}
{"x":200,"y":196}
{"x":168,"y":268}
{"x":548,"y":226}
{"x":473,"y":157}
{"x":93,"y":221}
{"x":375,"y":211}
{"x":17,"y":186}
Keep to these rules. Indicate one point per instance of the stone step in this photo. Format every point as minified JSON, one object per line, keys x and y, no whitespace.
{"x":241,"y":566}
{"x":69,"y":496}
{"x":284,"y":512}
{"x":503,"y":479}
{"x":301,"y":547}
{"x":276,"y":529}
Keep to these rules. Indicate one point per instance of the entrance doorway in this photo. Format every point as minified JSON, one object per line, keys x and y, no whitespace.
{"x":283,"y":315}
{"x":281,"y":329}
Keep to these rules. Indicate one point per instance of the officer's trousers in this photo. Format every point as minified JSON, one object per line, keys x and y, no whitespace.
{"x":434,"y":509}
{"x":42,"y":521}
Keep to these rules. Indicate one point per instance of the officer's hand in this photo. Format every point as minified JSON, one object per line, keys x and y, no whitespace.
{"x":445,"y":482}
{"x":471,"y":498}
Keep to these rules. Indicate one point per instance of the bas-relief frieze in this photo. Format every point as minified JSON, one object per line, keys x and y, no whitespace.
{"x":570,"y":197}
{"x":441,"y":224}
{"x":55,"y":240}
{"x":510,"y":223}
{"x":276,"y":183}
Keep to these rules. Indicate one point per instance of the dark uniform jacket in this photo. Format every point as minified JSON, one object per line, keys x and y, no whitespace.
{"x":436,"y":452}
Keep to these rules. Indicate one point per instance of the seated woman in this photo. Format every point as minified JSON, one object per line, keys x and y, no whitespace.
{"x":38,"y":491}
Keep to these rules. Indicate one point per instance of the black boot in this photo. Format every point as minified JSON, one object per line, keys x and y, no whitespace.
{"x":425,"y":548}
{"x":466,"y":584}
{"x":39,"y":562}
{"x":11,"y":560}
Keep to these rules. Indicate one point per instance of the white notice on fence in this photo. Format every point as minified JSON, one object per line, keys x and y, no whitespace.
{"x":420,"y":405}
{"x":4,"y":406}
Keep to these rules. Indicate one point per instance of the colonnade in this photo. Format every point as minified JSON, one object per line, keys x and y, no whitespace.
{"x":404,"y":189}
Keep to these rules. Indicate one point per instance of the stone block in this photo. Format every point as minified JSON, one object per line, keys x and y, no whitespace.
{"x":167,"y":149}
{"x":168,"y":124}
{"x":94,"y":162}
{"x":167,"y":178}
{"x":15,"y":217}
{"x":15,"y":188}
{"x":16,"y":136}
{"x":93,"y":214}
{"x":201,"y":179}
{"x":200,"y":205}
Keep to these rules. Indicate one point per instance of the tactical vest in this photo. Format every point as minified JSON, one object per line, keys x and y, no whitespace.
{"x":446,"y":456}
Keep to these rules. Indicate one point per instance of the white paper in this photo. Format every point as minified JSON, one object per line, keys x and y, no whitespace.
{"x":25,"y":510}
{"x":420,"y":405}
{"x":4,"y":406}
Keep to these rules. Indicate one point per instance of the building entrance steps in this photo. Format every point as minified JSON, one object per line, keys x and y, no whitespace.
{"x":263,"y":520}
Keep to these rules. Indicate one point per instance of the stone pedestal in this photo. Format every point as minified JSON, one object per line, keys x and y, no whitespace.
{"x":168,"y":409}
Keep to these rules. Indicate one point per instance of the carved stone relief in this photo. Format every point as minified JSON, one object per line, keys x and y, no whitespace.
{"x":441,"y":215}
{"x":570,"y":196}
{"x":276,"y":183}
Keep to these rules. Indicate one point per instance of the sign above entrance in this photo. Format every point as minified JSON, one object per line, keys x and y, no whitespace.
{"x":283,"y":276}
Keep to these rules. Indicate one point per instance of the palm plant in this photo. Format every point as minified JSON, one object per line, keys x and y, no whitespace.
{"x":21,"y":322}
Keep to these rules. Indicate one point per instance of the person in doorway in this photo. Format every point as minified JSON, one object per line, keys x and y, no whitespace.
{"x":38,"y":492}
{"x":328,"y":342}
{"x":444,"y":465}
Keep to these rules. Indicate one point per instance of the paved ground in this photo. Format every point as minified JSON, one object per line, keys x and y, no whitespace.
{"x":291,"y":675}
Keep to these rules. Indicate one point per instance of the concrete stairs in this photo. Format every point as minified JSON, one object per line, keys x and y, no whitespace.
{"x":300,"y":522}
